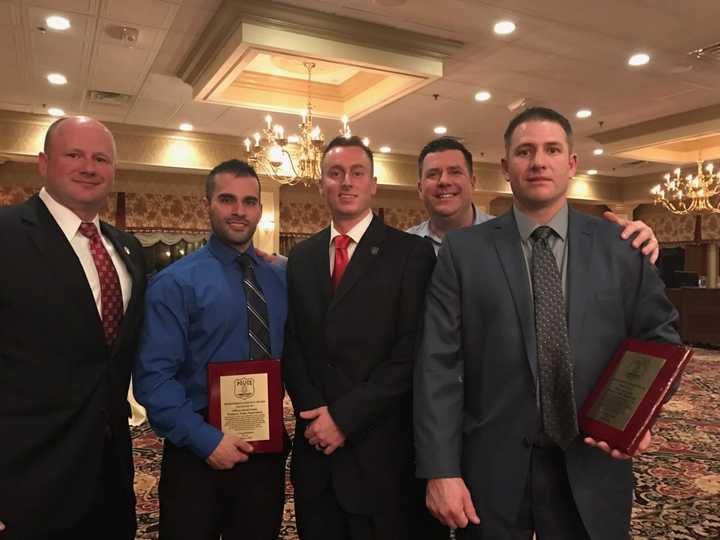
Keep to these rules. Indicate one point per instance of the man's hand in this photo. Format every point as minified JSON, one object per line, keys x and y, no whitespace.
{"x":448,"y":499}
{"x":231,"y":450}
{"x":617,"y":454}
{"x":644,"y":235}
{"x":323,"y":433}
{"x":2,"y":526}
{"x":265,"y":256}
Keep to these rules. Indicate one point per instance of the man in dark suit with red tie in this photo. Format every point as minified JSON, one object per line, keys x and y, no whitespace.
{"x":70,"y":309}
{"x":355,"y":293}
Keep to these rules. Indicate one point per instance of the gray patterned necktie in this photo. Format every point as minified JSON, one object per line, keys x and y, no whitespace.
{"x":555,"y":370}
{"x":258,"y":330}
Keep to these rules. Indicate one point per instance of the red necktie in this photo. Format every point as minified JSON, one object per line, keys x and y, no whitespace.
{"x":110,"y":292}
{"x":341,"y":259}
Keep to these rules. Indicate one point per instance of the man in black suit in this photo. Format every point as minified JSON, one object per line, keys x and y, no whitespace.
{"x":70,"y":309}
{"x":519,"y":306}
{"x":355,"y":291}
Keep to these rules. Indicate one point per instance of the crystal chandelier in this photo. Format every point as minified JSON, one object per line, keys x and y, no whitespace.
{"x":271,"y":154}
{"x":691,"y":194}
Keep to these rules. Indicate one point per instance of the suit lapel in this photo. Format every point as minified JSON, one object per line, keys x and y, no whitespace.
{"x":321,"y":256}
{"x":125,"y":253}
{"x":580,"y":251}
{"x":365,"y":253}
{"x":509,"y":250}
{"x":56,"y":251}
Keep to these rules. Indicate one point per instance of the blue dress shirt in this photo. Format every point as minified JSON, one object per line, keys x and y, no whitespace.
{"x":196,"y":313}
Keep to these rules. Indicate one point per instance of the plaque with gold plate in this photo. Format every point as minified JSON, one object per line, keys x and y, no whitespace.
{"x":246,"y":399}
{"x":631,"y":391}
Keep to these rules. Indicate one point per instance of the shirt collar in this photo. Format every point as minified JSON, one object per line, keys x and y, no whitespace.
{"x":227,"y":254}
{"x":526,"y":225}
{"x":357,"y":232}
{"x":68,"y":221}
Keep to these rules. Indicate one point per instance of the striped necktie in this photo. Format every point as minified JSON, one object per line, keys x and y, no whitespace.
{"x":258,"y":328}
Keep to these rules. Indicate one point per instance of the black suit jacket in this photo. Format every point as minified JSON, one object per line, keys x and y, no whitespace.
{"x":354,"y":352}
{"x":61,"y":388}
{"x":476,"y":407}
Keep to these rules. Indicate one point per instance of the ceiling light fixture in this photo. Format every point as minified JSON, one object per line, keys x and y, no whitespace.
{"x":385,"y":149}
{"x":592,"y":172}
{"x":185,"y":126}
{"x":56,"y":111}
{"x":584,"y":113}
{"x":57,"y":78}
{"x":598,"y":152}
{"x":482,"y":96}
{"x":639,"y":59}
{"x":504,"y":28}
{"x":268,"y":151}
{"x":56,"y":22}
{"x":440,"y":130}
{"x":691,"y":194}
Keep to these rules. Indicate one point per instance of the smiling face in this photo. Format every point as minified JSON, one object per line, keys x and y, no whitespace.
{"x":445,"y":184}
{"x":235,"y":209}
{"x":539,"y":165}
{"x":79,"y":166}
{"x":347,"y":184}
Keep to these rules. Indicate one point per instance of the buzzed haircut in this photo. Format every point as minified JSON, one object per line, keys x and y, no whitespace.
{"x":538,"y":114}
{"x":342,"y":141}
{"x":441,"y":145}
{"x":234,"y":166}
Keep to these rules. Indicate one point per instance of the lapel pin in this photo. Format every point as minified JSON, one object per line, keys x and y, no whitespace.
{"x":374,"y":250}
{"x":127,"y":250}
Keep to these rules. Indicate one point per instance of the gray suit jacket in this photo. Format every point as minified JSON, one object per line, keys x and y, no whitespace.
{"x":475,"y":398}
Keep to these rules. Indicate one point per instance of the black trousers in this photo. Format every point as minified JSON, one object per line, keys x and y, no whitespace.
{"x":200,"y":503}
{"x":322,"y":518}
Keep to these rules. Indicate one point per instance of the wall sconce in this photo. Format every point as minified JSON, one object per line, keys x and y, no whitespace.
{"x":267,"y":223}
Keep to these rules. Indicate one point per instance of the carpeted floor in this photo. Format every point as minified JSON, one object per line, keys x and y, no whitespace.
{"x":678,"y":481}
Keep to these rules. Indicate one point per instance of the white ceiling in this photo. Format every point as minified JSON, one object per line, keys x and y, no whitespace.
{"x":566,"y":54}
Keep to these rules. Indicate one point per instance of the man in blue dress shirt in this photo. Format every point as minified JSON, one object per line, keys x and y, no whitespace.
{"x":211,"y":482}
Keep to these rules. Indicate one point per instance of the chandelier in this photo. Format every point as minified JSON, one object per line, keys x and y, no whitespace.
{"x":691,"y":194}
{"x":269,"y":151}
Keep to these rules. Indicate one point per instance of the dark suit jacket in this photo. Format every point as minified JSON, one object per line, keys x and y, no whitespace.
{"x":475,"y":403}
{"x":60,"y":386}
{"x":354,"y":352}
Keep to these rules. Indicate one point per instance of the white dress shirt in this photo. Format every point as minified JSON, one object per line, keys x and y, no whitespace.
{"x":69,"y":223}
{"x":355,"y":234}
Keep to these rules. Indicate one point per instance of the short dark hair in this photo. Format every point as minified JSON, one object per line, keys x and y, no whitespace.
{"x":234,"y":166}
{"x":538,"y":114}
{"x":342,"y":141}
{"x":441,"y":145}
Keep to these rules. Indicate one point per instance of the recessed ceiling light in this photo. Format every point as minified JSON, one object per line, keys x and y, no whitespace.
{"x":592,"y":171}
{"x":56,"y":78}
{"x":56,"y":111}
{"x":482,"y":96}
{"x":366,"y":141}
{"x":56,"y":22}
{"x":186,"y":127}
{"x":504,"y":27}
{"x":385,"y":149}
{"x":584,"y":113}
{"x":639,"y":59}
{"x":440,"y":130}
{"x":598,"y":151}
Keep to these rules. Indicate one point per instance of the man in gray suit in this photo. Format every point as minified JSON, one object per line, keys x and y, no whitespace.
{"x":505,"y":363}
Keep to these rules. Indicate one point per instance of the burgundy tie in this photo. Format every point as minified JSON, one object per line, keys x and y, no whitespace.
{"x":341,"y":259}
{"x":110,"y":292}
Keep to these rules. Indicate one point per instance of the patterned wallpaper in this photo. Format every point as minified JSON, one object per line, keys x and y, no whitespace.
{"x":310,"y":217}
{"x":668,"y":227}
{"x":711,"y":227}
{"x":165,"y":212}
